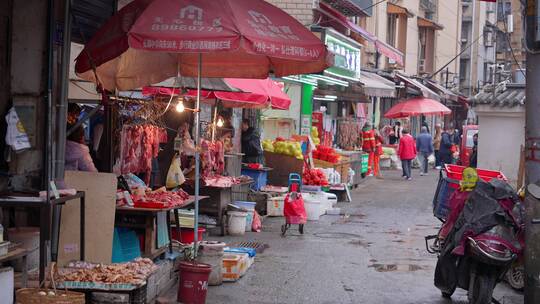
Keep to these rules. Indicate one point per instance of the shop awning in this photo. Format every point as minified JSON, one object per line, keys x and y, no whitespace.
{"x":425,"y":91}
{"x":423,"y":22}
{"x":382,"y":47}
{"x":442,"y":91}
{"x":352,"y":7}
{"x":392,"y":8}
{"x":377,"y":86}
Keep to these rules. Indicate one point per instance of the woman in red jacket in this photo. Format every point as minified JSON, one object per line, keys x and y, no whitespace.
{"x":407,"y":152}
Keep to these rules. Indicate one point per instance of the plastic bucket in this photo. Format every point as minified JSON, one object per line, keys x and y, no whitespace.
{"x":313,"y":208}
{"x":187,"y":235}
{"x":237,"y":222}
{"x":211,"y":253}
{"x":250,"y":207}
{"x":193,"y":282}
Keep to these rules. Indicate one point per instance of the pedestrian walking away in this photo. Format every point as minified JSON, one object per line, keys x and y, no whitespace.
{"x":407,"y":152}
{"x":437,"y":145}
{"x":445,"y":151}
{"x":424,"y":146}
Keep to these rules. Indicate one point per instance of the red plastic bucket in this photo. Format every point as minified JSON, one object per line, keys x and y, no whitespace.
{"x":186,"y":234}
{"x":193,"y":282}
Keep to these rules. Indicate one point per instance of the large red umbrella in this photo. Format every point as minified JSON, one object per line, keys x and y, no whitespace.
{"x":417,"y":106}
{"x":149,"y":41}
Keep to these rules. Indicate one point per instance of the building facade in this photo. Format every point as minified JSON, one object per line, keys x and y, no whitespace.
{"x":491,"y":40}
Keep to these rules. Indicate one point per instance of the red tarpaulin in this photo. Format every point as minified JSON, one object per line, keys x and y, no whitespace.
{"x":417,"y":106}
{"x":149,"y":41}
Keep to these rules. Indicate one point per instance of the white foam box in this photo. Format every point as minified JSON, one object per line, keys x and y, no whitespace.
{"x":151,"y":288}
{"x":7,"y":285}
{"x":109,"y":298}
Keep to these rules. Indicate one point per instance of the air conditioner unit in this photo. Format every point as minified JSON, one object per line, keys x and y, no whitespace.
{"x":510,"y":23}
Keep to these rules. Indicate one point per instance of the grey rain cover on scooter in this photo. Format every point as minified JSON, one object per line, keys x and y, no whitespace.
{"x":481,"y":212}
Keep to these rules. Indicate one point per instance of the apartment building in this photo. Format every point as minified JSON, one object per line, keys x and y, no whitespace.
{"x":491,"y":38}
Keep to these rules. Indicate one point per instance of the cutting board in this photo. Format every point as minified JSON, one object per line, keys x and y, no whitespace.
{"x":100,"y":189}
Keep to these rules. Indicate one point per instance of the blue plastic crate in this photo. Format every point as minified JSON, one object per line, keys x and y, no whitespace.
{"x":125,"y":245}
{"x":441,"y":201}
{"x":260,"y":178}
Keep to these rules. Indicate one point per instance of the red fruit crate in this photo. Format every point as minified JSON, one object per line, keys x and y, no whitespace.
{"x":455,"y":172}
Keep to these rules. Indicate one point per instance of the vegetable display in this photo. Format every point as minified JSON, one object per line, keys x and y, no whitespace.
{"x":314,"y":177}
{"x":285,"y":147}
{"x":327,"y":154}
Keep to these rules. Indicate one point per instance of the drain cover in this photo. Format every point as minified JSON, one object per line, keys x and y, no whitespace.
{"x":259,"y":247}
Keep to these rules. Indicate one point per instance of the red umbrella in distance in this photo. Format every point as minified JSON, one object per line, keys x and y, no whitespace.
{"x":417,"y":106}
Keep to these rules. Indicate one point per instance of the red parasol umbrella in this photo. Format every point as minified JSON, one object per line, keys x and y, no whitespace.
{"x":149,"y":41}
{"x":417,"y":106}
{"x":265,"y":87}
{"x":255,"y":94}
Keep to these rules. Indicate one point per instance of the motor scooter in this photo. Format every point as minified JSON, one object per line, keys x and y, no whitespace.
{"x":475,"y":252}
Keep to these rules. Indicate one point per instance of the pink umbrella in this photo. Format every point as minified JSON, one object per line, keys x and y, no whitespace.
{"x":265,"y":87}
{"x":417,"y":106}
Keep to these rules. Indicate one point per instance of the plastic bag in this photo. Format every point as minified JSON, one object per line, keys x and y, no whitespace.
{"x":257,"y":224}
{"x":16,"y":136}
{"x":294,"y":210}
{"x":175,"y":176}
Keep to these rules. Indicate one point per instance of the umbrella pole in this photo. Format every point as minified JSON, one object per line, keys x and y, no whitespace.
{"x":197,"y":160}
{"x":214,"y":122}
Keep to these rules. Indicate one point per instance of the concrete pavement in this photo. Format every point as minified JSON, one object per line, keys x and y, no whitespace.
{"x":373,"y":253}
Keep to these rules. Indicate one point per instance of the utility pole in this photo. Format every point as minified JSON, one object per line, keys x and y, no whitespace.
{"x":532,"y":148}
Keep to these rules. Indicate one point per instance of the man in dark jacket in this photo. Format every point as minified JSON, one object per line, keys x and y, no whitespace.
{"x":473,"y":160}
{"x":251,"y":144}
{"x":424,"y":146}
{"x":446,"y":146}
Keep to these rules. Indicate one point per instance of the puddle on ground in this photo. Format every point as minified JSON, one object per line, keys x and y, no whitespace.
{"x":395,"y":267}
{"x":336,"y":235}
{"x":360,"y":243}
{"x":350,"y":218}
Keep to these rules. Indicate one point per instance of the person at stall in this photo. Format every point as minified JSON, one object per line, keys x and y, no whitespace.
{"x":397,"y":131}
{"x":251,"y":144}
{"x":379,"y":140}
{"x":437,"y":145}
{"x":445,"y":151}
{"x":473,"y":160}
{"x":369,"y":145}
{"x":77,"y":155}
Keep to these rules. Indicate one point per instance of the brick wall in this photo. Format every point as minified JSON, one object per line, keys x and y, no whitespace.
{"x":302,"y":10}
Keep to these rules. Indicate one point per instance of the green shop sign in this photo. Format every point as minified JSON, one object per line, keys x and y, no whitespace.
{"x":346,"y":56}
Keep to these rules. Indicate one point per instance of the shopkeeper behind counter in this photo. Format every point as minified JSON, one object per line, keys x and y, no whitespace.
{"x":77,"y":152}
{"x":251,"y":144}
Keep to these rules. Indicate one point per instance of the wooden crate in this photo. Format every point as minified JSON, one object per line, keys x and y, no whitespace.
{"x":282,"y":166}
{"x":341,"y":167}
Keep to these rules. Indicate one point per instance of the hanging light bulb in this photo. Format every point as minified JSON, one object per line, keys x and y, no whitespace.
{"x":220,"y":122}
{"x":180,"y":106}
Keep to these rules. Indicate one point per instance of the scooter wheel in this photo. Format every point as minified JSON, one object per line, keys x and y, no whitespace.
{"x":301,"y":228}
